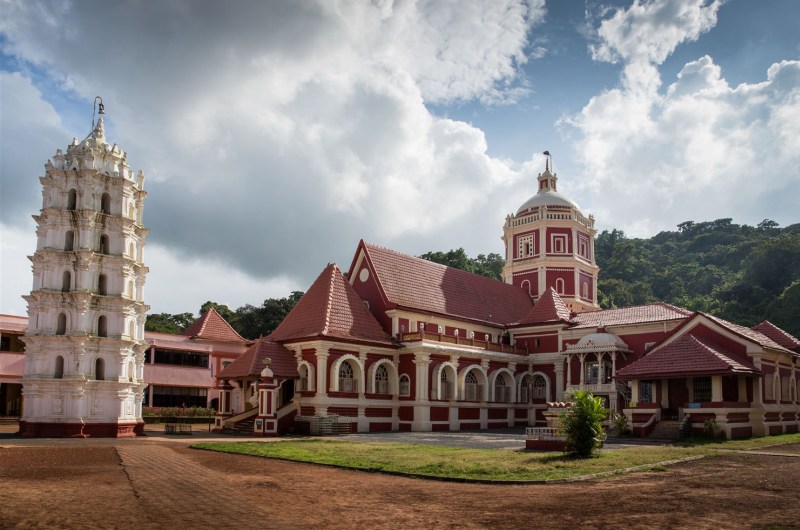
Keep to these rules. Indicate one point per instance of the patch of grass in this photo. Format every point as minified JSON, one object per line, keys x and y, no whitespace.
{"x":480,"y":464}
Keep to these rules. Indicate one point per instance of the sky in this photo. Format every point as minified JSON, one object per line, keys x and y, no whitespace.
{"x":274,"y":135}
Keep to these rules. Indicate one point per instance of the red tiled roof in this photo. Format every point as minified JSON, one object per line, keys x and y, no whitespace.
{"x":13,"y":323}
{"x":331,"y":308}
{"x":211,"y":326}
{"x":251,"y":362}
{"x":755,"y":336}
{"x":549,"y":308}
{"x":415,"y":283}
{"x":687,"y":356}
{"x":639,"y":314}
{"x":778,"y":335}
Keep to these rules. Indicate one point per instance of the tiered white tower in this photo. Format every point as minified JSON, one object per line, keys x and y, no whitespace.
{"x":84,"y":347}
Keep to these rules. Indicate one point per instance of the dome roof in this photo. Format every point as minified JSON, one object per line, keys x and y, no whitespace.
{"x":599,"y":341}
{"x":546,"y":198}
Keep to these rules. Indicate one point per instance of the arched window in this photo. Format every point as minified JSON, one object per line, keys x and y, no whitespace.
{"x":102,"y":285}
{"x":131,"y":372}
{"x":132,"y":330}
{"x":103,"y":244}
{"x":130,"y":211}
{"x":560,"y":285}
{"x":303,"y":371}
{"x":526,"y":285}
{"x":381,"y":380}
{"x":69,"y":240}
{"x":445,"y":385}
{"x":472,"y":390}
{"x":131,"y":251}
{"x":72,"y":199}
{"x":502,"y":392}
{"x":61,"y":325}
{"x":405,"y":385}
{"x":102,"y":326}
{"x":99,"y":369}
{"x":66,"y":281}
{"x":130,"y":289}
{"x":58,"y":373}
{"x":585,"y":290}
{"x":539,"y":387}
{"x":346,"y":379}
{"x":105,"y":204}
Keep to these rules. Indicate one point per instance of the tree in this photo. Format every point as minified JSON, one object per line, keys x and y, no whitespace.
{"x":166,"y":323}
{"x":490,"y":266}
{"x":224,"y":311}
{"x":583,"y":424}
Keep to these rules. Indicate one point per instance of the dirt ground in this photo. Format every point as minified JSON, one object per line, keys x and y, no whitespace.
{"x":123,"y":485}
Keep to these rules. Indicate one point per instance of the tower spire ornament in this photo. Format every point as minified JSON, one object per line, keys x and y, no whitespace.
{"x":84,"y":346}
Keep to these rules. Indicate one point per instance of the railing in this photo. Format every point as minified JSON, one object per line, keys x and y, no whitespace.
{"x":543,"y":433}
{"x":233,"y":420}
{"x":593,"y":388}
{"x":502,"y":394}
{"x":473,"y":392}
{"x":624,"y":390}
{"x":475,"y":343}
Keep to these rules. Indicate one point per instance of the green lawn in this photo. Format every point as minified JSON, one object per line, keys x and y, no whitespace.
{"x":482,"y":464}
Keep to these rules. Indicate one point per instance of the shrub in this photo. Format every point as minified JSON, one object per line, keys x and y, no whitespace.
{"x":621,"y":424}
{"x":179,"y":412}
{"x":582,"y":425}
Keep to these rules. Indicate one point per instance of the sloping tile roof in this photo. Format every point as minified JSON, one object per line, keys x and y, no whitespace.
{"x":331,"y":308}
{"x":251,"y":362}
{"x":415,"y":283}
{"x":687,"y":356}
{"x":755,"y":336}
{"x":13,"y":323}
{"x":549,"y":308}
{"x":211,"y":326}
{"x":639,"y":314}
{"x":778,"y":335}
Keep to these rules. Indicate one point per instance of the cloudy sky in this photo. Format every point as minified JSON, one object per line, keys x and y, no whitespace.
{"x":275,"y":135}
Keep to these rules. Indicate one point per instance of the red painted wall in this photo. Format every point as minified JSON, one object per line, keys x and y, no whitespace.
{"x":567,"y":275}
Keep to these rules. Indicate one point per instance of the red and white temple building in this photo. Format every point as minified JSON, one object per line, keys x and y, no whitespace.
{"x":393,"y":343}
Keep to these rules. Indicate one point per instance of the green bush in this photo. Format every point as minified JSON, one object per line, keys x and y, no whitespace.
{"x":178,"y":412}
{"x":621,"y":424}
{"x":582,"y":425}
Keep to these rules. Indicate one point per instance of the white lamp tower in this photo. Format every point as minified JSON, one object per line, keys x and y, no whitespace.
{"x":84,"y":347}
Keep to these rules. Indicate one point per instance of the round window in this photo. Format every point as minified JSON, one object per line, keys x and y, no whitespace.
{"x":364,"y":274}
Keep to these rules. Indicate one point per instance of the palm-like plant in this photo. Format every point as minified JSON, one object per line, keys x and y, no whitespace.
{"x":582,"y":425}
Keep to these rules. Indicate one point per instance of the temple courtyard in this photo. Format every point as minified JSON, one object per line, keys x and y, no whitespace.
{"x":159,"y":481}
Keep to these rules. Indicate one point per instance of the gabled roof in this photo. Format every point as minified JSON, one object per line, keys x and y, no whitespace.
{"x":211,"y":326}
{"x":251,"y":362}
{"x":418,"y":284}
{"x":687,"y":356}
{"x":751,"y":334}
{"x":550,"y":308}
{"x":13,"y":323}
{"x":778,"y":335}
{"x":332,"y":309}
{"x":639,"y":314}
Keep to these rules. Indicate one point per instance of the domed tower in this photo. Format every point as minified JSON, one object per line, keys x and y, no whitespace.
{"x":84,"y":347}
{"x":549,"y":243}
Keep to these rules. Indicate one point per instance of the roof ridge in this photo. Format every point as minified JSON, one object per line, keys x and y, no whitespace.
{"x":329,"y":303}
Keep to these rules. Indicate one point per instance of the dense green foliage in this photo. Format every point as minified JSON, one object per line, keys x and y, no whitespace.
{"x":582,"y":424}
{"x":741,"y":273}
{"x":249,"y":321}
{"x":489,"y":266}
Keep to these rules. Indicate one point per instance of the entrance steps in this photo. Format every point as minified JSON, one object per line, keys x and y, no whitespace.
{"x":666,"y":430}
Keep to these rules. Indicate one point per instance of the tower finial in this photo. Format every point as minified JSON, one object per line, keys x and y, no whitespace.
{"x":547,"y":161}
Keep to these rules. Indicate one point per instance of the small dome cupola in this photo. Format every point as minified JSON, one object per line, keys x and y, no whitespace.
{"x":547,"y":180}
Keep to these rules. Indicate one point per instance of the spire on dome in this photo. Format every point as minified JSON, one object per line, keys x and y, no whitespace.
{"x":99,"y":132}
{"x":547,"y":180}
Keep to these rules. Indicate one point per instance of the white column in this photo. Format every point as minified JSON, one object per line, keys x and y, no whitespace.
{"x":422,"y":413}
{"x":558,"y":366}
{"x":635,"y":391}
{"x":583,"y":368}
{"x":664,"y":393}
{"x":322,"y":371}
{"x":742,"y":394}
{"x":716,"y":388}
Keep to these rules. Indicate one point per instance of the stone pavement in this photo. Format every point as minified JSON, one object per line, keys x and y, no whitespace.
{"x":160,"y":478}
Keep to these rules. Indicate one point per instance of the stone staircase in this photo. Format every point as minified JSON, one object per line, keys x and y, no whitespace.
{"x":242,"y":428}
{"x":666,"y":430}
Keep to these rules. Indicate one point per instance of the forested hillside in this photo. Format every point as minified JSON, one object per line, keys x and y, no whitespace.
{"x":742,"y":273}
